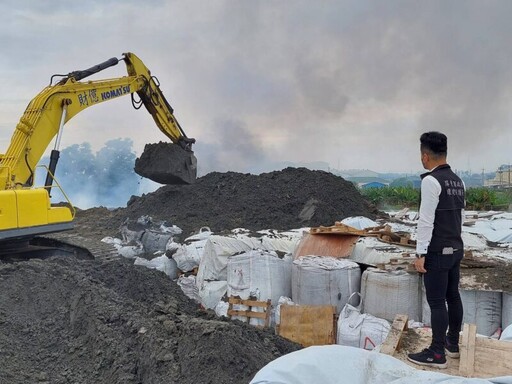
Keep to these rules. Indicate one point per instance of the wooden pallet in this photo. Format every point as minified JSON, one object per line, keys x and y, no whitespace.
{"x":392,"y":342}
{"x":325,"y":245}
{"x":383,"y":233}
{"x":308,"y":324}
{"x":483,"y":357}
{"x":249,"y":313}
{"x":338,"y":229}
{"x":406,"y":263}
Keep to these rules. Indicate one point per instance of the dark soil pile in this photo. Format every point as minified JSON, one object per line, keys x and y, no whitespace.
{"x":291,"y":198}
{"x":167,"y":163}
{"x":64,"y":320}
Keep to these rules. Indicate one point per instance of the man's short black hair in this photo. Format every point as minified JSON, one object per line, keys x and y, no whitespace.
{"x":434,"y":142}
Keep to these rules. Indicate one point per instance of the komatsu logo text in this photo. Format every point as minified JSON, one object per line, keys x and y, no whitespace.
{"x":115,"y":92}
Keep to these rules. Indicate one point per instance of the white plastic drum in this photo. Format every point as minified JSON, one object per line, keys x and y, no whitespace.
{"x":482,"y":308}
{"x":387,"y":294}
{"x":324,"y":281}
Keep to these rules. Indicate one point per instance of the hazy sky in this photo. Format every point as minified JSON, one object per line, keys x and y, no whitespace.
{"x":351,"y":83}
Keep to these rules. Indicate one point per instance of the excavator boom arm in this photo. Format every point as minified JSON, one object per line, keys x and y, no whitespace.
{"x":59,"y":103}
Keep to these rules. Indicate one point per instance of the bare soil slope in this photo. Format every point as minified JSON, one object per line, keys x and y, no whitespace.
{"x":291,"y":198}
{"x":64,"y":320}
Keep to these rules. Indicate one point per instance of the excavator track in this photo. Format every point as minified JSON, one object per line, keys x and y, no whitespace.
{"x":79,"y":246}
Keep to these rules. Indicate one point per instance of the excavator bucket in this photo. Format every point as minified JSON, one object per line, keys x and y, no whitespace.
{"x":167,"y":163}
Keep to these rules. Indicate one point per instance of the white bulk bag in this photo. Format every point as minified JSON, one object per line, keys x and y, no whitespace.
{"x":161,"y":263}
{"x":339,"y":364}
{"x":155,"y":241}
{"x":386,"y":294}
{"x":482,"y":308}
{"x":189,"y":256}
{"x":506,"y":310}
{"x":506,"y":335}
{"x":204,"y":234}
{"x":189,"y":287}
{"x":359,"y":222}
{"x":260,"y":271}
{"x":210,"y":293}
{"x":221,"y":309}
{"x":318,"y":280}
{"x":360,"y":330}
{"x":277,"y":312}
{"x":131,"y":251}
{"x":215,"y":256}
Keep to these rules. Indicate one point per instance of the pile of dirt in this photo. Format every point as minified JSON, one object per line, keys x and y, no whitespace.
{"x":291,"y":198}
{"x":64,"y":320}
{"x":167,"y":163}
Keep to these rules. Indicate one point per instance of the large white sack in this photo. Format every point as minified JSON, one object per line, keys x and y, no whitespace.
{"x":204,"y":234}
{"x":506,"y":310}
{"x":320,"y":280}
{"x":277,"y":312}
{"x":359,"y":222}
{"x":215,"y":256}
{"x":161,"y":263}
{"x":189,"y":287}
{"x":338,"y":364}
{"x":210,"y":292}
{"x":112,"y":240}
{"x":285,"y":242}
{"x":221,"y":309}
{"x":506,"y":335}
{"x":372,"y":251}
{"x":155,"y":241}
{"x":360,"y":330}
{"x":188,"y":256}
{"x":482,"y":308}
{"x":279,"y":244}
{"x":260,"y":271}
{"x":131,"y":251}
{"x":388,"y":293}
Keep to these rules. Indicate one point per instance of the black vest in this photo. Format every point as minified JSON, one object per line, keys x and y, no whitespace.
{"x":447,"y":220}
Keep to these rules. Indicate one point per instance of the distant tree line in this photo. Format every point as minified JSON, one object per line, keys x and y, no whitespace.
{"x":479,"y":198}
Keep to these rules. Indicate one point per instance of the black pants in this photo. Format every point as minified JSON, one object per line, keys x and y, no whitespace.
{"x":442,"y":287}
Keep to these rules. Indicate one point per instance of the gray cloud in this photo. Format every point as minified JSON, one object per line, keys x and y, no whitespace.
{"x":349,"y":82}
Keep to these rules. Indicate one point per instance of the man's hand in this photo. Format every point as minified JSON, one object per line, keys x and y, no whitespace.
{"x":419,"y":264}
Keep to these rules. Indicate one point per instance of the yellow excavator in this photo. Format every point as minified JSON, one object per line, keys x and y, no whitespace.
{"x":26,"y":210}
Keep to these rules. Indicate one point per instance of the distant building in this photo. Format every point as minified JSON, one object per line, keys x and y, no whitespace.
{"x":503,"y":178}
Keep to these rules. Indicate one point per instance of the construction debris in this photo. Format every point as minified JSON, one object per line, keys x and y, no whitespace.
{"x":69,"y":320}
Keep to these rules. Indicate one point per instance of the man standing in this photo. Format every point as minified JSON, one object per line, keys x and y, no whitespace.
{"x":440,"y":249}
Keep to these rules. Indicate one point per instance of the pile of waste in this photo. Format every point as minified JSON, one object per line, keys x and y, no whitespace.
{"x":64,"y":320}
{"x":67,"y":320}
{"x":291,"y":198}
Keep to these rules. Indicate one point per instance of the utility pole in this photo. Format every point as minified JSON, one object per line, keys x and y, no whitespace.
{"x":483,"y":178}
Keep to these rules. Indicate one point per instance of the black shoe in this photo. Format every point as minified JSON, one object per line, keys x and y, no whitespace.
{"x":452,"y":350}
{"x":428,"y":358}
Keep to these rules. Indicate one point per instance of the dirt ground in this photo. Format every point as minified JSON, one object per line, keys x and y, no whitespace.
{"x":64,"y":320}
{"x":484,"y":273}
